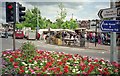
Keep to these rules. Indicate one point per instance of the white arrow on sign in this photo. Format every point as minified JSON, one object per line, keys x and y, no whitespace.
{"x":108,"y":13}
{"x":101,"y":25}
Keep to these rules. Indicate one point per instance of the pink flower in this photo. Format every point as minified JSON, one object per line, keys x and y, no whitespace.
{"x":85,"y":58}
{"x":116,"y":70}
{"x":15,"y":64}
{"x":36,"y":68}
{"x":116,"y":64}
{"x":31,"y":70}
{"x":84,"y":73}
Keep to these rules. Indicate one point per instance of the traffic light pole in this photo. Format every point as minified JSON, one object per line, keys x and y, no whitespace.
{"x":14,"y":36}
{"x":14,"y":22}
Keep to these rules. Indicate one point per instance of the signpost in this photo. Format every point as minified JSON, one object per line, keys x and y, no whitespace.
{"x":110,"y":25}
{"x":109,"y":13}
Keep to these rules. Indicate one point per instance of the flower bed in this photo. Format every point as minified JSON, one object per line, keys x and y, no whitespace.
{"x":47,"y":62}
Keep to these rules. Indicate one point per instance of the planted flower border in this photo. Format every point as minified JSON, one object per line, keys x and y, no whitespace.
{"x":50,"y":62}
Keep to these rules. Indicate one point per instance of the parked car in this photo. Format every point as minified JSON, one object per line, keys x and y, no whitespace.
{"x":4,"y":35}
{"x":19,"y":34}
{"x":10,"y":33}
{"x":32,"y":34}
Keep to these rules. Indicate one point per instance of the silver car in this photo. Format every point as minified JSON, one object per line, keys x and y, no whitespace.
{"x":3,"y":34}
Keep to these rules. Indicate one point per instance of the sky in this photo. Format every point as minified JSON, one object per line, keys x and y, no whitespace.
{"x":81,"y":9}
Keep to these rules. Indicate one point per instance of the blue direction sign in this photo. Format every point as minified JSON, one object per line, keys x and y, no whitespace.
{"x":110,"y":25}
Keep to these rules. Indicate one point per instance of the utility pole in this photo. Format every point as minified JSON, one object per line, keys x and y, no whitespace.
{"x":113,"y":52}
{"x":72,"y":15}
{"x":96,"y":21}
{"x":37,"y":28}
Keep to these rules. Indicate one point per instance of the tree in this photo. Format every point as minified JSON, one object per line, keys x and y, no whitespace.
{"x":31,"y":18}
{"x":19,"y":26}
{"x":61,"y":15}
{"x":73,"y":24}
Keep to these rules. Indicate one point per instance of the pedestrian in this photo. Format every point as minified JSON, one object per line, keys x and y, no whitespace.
{"x":90,"y":36}
{"x":99,"y":38}
{"x":102,"y":38}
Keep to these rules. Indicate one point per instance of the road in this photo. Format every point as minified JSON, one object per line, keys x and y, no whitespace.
{"x":7,"y":44}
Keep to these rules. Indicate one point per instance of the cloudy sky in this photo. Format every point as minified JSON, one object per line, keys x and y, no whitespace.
{"x":81,"y":9}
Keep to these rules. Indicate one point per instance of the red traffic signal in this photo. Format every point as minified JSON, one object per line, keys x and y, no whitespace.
{"x":10,"y":6}
{"x":10,"y":11}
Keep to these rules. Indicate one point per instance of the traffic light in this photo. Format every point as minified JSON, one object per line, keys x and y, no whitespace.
{"x":21,"y":12}
{"x":10,"y":11}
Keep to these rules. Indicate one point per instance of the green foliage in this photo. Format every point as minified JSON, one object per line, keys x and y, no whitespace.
{"x":61,"y":15}
{"x":31,"y":20}
{"x":72,"y":24}
{"x":28,"y":49}
{"x":19,"y":26}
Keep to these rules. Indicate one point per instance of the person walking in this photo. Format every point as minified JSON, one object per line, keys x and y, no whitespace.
{"x":99,"y":38}
{"x":102,"y":38}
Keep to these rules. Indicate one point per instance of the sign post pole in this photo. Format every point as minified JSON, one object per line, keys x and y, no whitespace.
{"x":113,"y":54}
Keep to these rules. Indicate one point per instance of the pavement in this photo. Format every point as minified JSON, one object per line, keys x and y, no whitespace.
{"x":97,"y":47}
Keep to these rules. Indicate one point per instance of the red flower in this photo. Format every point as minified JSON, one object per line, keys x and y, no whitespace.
{"x":75,"y":55}
{"x":15,"y":56}
{"x":116,"y":64}
{"x":30,"y":61}
{"x":102,"y":60}
{"x":96,"y":60}
{"x":83,"y":67}
{"x":91,"y":69}
{"x":58,"y":69}
{"x":11,"y":59}
{"x":60,"y":72}
{"x":106,"y":73}
{"x":89,"y":60}
{"x":60,"y":63}
{"x":49,"y":64}
{"x":66,"y":69}
{"x":15,"y":64}
{"x":21,"y":69}
{"x":85,"y":58}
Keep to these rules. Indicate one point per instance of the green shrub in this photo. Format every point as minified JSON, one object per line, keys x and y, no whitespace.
{"x":28,"y":49}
